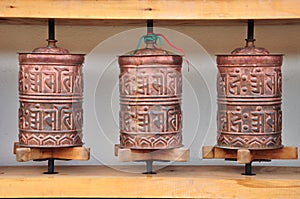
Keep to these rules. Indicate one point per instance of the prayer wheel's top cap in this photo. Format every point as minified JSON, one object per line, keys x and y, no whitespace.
{"x":51,"y":48}
{"x":250,"y":49}
{"x":148,"y":51}
{"x":151,"y":49}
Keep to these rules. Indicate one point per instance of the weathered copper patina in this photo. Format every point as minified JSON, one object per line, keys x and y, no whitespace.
{"x":150,"y":85}
{"x":249,"y":86}
{"x":50,"y":95}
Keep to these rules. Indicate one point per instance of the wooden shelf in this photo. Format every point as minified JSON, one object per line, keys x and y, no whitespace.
{"x":171,"y":181}
{"x":149,"y":9}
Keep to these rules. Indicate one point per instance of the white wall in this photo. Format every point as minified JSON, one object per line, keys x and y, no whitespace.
{"x":102,"y":45}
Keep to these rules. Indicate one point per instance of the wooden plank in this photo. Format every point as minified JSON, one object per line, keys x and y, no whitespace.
{"x":287,"y":152}
{"x":208,"y":152}
{"x":142,"y":22}
{"x":149,"y":9}
{"x":24,"y":154}
{"x":246,"y":155}
{"x":129,"y":155}
{"x":169,"y":182}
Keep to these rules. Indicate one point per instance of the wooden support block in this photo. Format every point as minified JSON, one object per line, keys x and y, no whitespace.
{"x":15,"y":147}
{"x":244,"y":156}
{"x":208,"y":152}
{"x":176,"y":154}
{"x":24,"y":154}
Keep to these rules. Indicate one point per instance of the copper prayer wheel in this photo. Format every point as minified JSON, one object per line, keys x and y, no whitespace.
{"x":249,"y":86}
{"x":50,"y":95}
{"x":150,"y":86}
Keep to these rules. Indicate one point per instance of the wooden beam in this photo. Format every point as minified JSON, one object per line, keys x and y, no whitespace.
{"x":169,"y":182}
{"x":246,"y":155}
{"x":149,"y":9}
{"x":24,"y":154}
{"x":129,"y":155}
{"x":142,"y":22}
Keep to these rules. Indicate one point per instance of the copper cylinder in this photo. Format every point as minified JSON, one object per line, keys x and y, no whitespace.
{"x":249,"y":99}
{"x":150,"y":86}
{"x":50,"y":95}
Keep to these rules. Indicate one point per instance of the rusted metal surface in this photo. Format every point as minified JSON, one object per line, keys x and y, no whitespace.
{"x":249,"y":85}
{"x":150,"y":85}
{"x":50,"y":94}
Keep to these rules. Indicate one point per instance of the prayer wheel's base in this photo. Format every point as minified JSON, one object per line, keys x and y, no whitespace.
{"x":24,"y":154}
{"x":247,"y":156}
{"x":149,"y":155}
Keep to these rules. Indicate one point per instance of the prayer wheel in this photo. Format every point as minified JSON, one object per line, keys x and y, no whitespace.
{"x":249,"y":86}
{"x":150,"y":86}
{"x":50,"y":95}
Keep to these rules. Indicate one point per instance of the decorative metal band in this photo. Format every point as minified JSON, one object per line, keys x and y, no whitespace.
{"x":243,"y":60}
{"x":250,"y":142}
{"x":153,"y":141}
{"x":156,"y":59}
{"x":36,"y":139}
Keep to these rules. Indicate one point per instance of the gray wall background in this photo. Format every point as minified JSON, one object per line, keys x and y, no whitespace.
{"x":103,"y":44}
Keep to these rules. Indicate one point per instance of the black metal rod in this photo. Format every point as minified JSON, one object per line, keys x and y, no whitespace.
{"x":50,"y":166}
{"x":250,"y":34}
{"x":51,"y":29}
{"x":149,"y":165}
{"x":149,"y":26}
{"x":248,"y":169}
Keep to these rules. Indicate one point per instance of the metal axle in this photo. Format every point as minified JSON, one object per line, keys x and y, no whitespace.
{"x":248,"y":169}
{"x":50,"y":167}
{"x":149,"y":26}
{"x":51,"y":29}
{"x":149,"y":165}
{"x":250,"y":34}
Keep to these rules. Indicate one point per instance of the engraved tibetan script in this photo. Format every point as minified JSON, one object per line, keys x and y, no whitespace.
{"x":57,"y":117}
{"x":51,"y":80}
